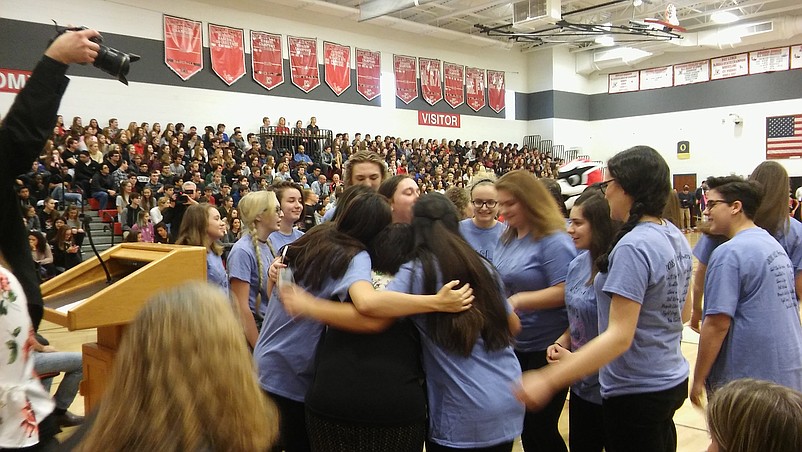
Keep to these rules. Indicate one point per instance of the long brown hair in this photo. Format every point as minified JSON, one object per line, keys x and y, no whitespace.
{"x":184,"y":380}
{"x":194,"y":226}
{"x":441,"y":251}
{"x":772,"y":213}
{"x":540,"y":210}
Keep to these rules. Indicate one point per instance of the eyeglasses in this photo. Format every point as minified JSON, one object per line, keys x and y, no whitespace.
{"x":490,"y":203}
{"x":603,"y":185}
{"x":714,"y":202}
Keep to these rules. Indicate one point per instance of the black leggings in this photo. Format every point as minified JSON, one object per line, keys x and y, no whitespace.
{"x":328,"y":435}
{"x":541,"y":432}
{"x":292,"y":425}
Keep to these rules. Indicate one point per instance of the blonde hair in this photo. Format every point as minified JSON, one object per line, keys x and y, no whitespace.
{"x":251,"y":206}
{"x":540,"y":210}
{"x":184,"y":380}
{"x":749,"y":415}
{"x":194,"y":226}
{"x":362,"y":157}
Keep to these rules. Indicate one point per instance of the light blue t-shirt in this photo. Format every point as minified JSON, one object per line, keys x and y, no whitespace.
{"x":329,"y":215}
{"x":285,"y":351}
{"x":651,"y":265}
{"x":243,"y":265}
{"x":583,"y":320}
{"x":484,"y":241}
{"x":216,"y":271}
{"x":527,"y":264}
{"x":790,"y":240}
{"x":279,"y":240}
{"x":471,"y":404}
{"x":751,"y":280}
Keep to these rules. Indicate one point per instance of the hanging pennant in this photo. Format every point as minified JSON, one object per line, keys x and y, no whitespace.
{"x":496,"y":90}
{"x":227,"y":49}
{"x":475,"y":88}
{"x":183,"y":46}
{"x":431,"y":81}
{"x":368,"y":73}
{"x":304,"y":71}
{"x":454,"y":77}
{"x":267,"y":65}
{"x":406,"y":80}
{"x":337,"y":59}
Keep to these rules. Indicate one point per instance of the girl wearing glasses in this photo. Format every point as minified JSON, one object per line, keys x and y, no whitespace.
{"x":771,"y":215}
{"x":749,"y":286}
{"x":532,"y":259}
{"x":640,"y":287}
{"x":483,"y":231}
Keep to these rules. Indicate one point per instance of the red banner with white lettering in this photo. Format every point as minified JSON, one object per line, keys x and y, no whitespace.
{"x":496,"y":90}
{"x":368,"y":73}
{"x":304,"y":71}
{"x":475,"y":87}
{"x":406,"y":80}
{"x":267,"y":63}
{"x":431,"y":81}
{"x":183,"y":46}
{"x":454,"y":77}
{"x":13,"y":80}
{"x":337,"y":59}
{"x":227,"y":49}
{"x":431,"y":118}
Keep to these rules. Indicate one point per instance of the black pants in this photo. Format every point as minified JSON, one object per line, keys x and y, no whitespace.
{"x":503,"y":447}
{"x":541,"y":432}
{"x":585,"y":425}
{"x":292,"y":425}
{"x":639,"y":422}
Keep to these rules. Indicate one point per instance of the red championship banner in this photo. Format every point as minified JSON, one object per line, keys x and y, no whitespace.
{"x":227,"y":48}
{"x":267,"y":64}
{"x":304,"y":71}
{"x":475,"y":87}
{"x":496,"y":90}
{"x":431,"y":81}
{"x":183,"y":46}
{"x":337,"y":59}
{"x":454,"y":76}
{"x":406,"y":80}
{"x":368,"y":73}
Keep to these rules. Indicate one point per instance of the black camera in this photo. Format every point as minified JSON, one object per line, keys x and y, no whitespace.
{"x":180,"y":197}
{"x":109,"y":60}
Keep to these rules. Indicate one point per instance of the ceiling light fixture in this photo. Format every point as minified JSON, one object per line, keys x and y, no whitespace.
{"x":637,"y":3}
{"x":605,"y":41}
{"x":724,"y":17}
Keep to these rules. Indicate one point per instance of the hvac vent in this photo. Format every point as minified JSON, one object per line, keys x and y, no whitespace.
{"x":536,"y":10}
{"x":758,"y":28}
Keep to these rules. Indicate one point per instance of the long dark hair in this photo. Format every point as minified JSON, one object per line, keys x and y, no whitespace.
{"x":443,"y":252}
{"x":643,"y":174}
{"x":596,"y":211}
{"x":327,"y":250}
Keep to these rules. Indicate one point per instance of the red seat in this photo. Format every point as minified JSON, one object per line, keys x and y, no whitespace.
{"x":107,"y":216}
{"x":118,"y":228}
{"x":93,"y":204}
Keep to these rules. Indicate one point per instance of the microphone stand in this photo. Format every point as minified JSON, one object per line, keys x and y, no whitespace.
{"x":85,"y":220}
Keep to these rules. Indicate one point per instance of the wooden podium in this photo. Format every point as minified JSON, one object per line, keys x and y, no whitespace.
{"x":80,"y":298}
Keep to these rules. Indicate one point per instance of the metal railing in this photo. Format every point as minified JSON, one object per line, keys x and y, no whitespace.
{"x":313,"y":143}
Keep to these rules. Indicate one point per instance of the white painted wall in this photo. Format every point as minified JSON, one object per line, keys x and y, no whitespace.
{"x":154,"y":103}
{"x":716,"y":149}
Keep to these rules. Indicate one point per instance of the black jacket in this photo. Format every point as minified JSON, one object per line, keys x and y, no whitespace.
{"x":22,"y":136}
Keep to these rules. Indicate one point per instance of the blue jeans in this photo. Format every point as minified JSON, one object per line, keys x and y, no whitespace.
{"x":102,"y":199}
{"x":69,"y":197}
{"x":71,"y":364}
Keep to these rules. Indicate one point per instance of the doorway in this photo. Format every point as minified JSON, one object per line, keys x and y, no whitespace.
{"x":680,"y":180}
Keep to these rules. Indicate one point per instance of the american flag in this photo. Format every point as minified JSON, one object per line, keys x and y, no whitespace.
{"x":784,"y":136}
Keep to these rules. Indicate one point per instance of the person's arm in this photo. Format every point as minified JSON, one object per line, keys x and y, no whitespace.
{"x":539,"y":386}
{"x":714,"y":331}
{"x":698,"y":291}
{"x":387,"y":303}
{"x":558,"y":349}
{"x":550,"y":297}
{"x":241,"y":291}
